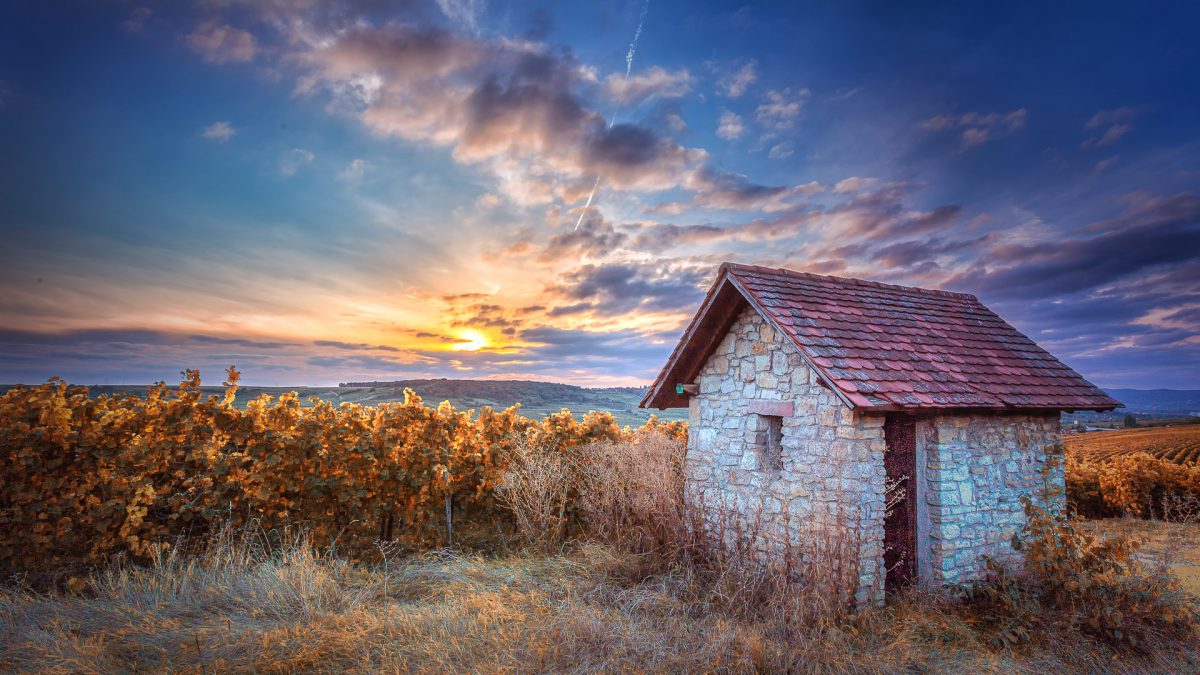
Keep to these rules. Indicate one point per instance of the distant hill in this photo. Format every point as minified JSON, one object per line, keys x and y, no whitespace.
{"x":1158,"y":402}
{"x":537,"y":399}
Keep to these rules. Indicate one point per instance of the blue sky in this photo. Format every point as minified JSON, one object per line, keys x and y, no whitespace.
{"x":332,"y":191}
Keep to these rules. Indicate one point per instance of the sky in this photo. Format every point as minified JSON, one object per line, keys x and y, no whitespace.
{"x":322,"y":192}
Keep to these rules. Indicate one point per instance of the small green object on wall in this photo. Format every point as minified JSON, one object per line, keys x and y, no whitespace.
{"x":679,"y":388}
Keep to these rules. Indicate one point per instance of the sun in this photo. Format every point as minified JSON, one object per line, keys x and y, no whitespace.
{"x":473,"y":340}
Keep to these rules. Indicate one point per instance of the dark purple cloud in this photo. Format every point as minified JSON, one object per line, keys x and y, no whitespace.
{"x":1158,"y":234}
{"x":595,"y":238}
{"x":614,"y":289}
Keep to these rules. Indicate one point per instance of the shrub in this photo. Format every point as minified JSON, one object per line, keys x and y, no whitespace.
{"x":1134,"y":483}
{"x":1138,"y":483}
{"x":1084,"y":494}
{"x":631,"y":494}
{"x":85,"y":480}
{"x":1073,"y":581}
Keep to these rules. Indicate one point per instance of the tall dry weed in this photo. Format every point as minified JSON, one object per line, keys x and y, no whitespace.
{"x":537,"y":487}
{"x":747,"y":560}
{"x":631,"y":495}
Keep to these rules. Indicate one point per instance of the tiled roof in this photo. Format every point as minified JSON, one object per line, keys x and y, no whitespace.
{"x":895,"y":347}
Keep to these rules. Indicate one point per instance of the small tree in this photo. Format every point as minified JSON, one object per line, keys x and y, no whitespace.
{"x":1130,"y":422}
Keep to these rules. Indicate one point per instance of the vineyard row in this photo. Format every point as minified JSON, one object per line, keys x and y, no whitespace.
{"x":86,"y":479}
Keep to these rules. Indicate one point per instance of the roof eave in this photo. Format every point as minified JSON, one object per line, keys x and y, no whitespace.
{"x":656,"y":397}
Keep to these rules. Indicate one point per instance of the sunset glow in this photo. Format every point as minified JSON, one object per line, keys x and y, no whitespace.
{"x":474,"y":341}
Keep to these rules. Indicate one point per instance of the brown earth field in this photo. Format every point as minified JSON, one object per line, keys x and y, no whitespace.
{"x":1179,"y":444}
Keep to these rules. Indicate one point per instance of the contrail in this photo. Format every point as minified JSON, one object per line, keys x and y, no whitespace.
{"x":637,"y":35}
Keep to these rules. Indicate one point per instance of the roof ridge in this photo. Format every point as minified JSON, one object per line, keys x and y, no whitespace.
{"x":846,"y":280}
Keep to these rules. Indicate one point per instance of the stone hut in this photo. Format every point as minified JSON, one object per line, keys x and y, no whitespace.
{"x":811,"y":395}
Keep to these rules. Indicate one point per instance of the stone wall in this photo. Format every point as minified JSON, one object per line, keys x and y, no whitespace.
{"x":832,"y":459}
{"x":977,"y":468}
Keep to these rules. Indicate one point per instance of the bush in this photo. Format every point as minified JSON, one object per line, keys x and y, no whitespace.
{"x":84,"y":480}
{"x":1084,"y":495}
{"x":1136,"y":484}
{"x":1073,"y":581}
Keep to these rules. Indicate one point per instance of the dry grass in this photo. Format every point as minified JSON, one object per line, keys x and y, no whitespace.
{"x":667,"y":592}
{"x":746,"y":560}
{"x":241,"y":606}
{"x":663,"y":595}
{"x":1176,"y":544}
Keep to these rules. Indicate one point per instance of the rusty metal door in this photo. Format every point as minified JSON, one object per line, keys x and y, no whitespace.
{"x":900,"y":523}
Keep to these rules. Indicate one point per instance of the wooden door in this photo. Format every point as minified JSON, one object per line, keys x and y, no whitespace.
{"x":900,"y":523}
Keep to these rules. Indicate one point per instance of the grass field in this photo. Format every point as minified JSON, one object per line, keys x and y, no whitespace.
{"x":1179,"y":444}
{"x":243,"y":608}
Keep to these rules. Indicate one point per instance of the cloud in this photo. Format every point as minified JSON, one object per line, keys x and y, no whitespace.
{"x":136,"y":21}
{"x":1153,"y":233}
{"x":719,"y":190}
{"x":844,"y":94}
{"x":620,"y":288}
{"x":512,"y":107}
{"x":730,"y":126}
{"x":780,"y":108}
{"x":1109,"y":126}
{"x":557,"y":348}
{"x":219,"y":132}
{"x":354,"y":345}
{"x":736,"y":83}
{"x":781,"y":150}
{"x":1104,"y":165}
{"x":354,"y":170}
{"x":653,"y":83}
{"x":294,"y":159}
{"x":853,"y":184}
{"x":595,"y":238}
{"x":978,"y":128}
{"x":240,"y":342}
{"x":222,"y":43}
{"x":484,"y":315}
{"x":868,"y":215}
{"x":911,"y":254}
{"x":143,"y":356}
{"x":464,"y":12}
{"x":666,"y":208}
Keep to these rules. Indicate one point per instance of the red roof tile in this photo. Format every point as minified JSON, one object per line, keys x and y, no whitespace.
{"x":883,"y":346}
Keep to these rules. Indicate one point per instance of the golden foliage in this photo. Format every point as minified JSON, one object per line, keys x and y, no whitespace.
{"x":1134,"y":483}
{"x":86,"y":479}
{"x":1133,"y":471}
{"x":1072,"y":581}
